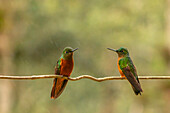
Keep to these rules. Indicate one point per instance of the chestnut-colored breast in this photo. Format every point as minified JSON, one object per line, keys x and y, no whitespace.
{"x":66,"y":67}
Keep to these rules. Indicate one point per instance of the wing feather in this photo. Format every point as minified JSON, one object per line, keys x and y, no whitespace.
{"x":58,"y":83}
{"x":131,"y":78}
{"x":129,"y":71}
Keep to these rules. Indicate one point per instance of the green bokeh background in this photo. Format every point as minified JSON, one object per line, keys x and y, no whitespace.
{"x":36,"y":31}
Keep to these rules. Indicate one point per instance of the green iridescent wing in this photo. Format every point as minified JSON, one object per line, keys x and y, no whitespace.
{"x":58,"y":67}
{"x":127,"y":67}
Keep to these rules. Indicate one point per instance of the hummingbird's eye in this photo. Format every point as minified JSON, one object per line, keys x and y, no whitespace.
{"x":66,"y":51}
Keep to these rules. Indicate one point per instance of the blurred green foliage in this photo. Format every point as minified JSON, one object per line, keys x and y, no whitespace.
{"x":40,"y":29}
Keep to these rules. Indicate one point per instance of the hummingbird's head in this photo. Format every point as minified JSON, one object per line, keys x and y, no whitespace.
{"x":68,"y":53}
{"x":122,"y":52}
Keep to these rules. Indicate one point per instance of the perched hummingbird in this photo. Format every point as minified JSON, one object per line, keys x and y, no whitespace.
{"x":64,"y":67}
{"x":127,"y":69}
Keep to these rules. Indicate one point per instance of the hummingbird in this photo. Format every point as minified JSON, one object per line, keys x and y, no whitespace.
{"x":127,"y":69}
{"x":64,"y":67}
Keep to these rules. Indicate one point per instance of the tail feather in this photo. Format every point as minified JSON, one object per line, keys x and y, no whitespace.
{"x":58,"y":87}
{"x":137,"y":91}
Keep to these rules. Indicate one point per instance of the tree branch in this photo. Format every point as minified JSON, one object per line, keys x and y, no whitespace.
{"x":34,"y":77}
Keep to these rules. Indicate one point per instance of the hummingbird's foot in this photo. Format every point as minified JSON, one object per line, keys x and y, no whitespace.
{"x":64,"y":76}
{"x":122,"y":76}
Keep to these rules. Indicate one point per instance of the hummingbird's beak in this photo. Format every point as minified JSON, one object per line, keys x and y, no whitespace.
{"x":74,"y":50}
{"x":112,"y":49}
